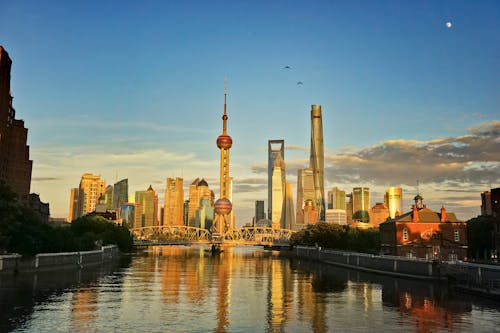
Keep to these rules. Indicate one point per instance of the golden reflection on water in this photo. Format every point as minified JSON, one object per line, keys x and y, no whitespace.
{"x":174,"y":283}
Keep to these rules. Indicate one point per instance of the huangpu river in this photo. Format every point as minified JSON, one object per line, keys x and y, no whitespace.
{"x":244,"y":289}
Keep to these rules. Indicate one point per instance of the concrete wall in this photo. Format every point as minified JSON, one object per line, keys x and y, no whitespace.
{"x":42,"y":261}
{"x":410,"y":267}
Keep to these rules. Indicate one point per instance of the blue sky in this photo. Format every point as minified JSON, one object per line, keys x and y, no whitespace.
{"x":134,"y":89}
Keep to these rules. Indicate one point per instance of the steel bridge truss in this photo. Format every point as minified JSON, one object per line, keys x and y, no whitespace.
{"x":187,"y":234}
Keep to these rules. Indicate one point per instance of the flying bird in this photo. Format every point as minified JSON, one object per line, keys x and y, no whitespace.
{"x":287,"y":67}
{"x":300,"y":83}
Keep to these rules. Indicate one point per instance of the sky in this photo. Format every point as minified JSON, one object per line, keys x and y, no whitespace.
{"x":134,"y":89}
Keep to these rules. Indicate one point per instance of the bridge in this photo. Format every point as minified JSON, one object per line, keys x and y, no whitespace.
{"x":168,"y":235}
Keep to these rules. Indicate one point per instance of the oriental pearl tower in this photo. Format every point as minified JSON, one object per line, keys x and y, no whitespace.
{"x":223,"y":206}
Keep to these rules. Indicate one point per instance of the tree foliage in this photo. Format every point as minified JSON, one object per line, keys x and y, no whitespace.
{"x":334,"y":236}
{"x":23,"y":232}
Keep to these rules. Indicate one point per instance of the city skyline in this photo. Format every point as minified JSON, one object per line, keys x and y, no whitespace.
{"x":404,"y":100}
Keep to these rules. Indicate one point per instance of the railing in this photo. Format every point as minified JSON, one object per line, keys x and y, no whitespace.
{"x":188,"y":235}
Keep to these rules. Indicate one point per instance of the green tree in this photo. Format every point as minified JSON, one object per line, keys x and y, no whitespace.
{"x":479,"y":237}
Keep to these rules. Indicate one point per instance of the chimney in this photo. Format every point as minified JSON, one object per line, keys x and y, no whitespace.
{"x":443,"y":214}
{"x":415,"y":217}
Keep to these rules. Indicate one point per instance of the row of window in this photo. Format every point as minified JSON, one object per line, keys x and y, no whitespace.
{"x":456,"y":235}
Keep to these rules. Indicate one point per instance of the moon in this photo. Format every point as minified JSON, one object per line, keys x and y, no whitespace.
{"x":449,"y":25}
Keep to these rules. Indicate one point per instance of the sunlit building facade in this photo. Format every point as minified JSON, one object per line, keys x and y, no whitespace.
{"x":336,"y":199}
{"x":146,"y":208}
{"x":360,"y":204}
{"x":305,"y":193}
{"x":174,"y":202}
{"x":92,"y":187}
{"x":75,"y":204}
{"x":277,"y":184}
{"x":393,"y":200}
{"x":198,"y":191}
{"x":127,"y":214}
{"x":378,"y":214}
{"x":316,"y":162}
{"x":336,"y":216}
{"x":120,"y":193}
{"x":288,"y":215}
{"x":275,"y":148}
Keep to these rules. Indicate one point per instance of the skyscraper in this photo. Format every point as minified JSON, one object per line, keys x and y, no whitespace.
{"x":91,"y":188}
{"x":393,"y":200}
{"x":361,"y":204}
{"x":274,"y":148}
{"x":198,"y":191}
{"x":174,"y":202}
{"x":317,"y":160}
{"x":288,"y":215}
{"x":108,"y":197}
{"x":15,"y":165}
{"x":75,"y":204}
{"x":336,"y":199}
{"x":305,"y":193}
{"x":259,"y":210}
{"x":223,"y":205}
{"x":278,"y":190}
{"x":146,"y":208}
{"x":120,"y":193}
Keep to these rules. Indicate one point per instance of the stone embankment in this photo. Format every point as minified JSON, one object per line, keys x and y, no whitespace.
{"x":476,"y":278}
{"x":14,"y":263}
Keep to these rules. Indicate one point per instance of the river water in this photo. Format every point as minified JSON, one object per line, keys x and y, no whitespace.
{"x":244,"y":289}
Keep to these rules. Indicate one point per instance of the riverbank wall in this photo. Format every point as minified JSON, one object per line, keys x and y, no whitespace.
{"x":14,"y":263}
{"x":391,"y":265}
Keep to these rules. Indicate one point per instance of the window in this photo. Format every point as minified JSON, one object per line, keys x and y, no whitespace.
{"x":456,"y":234}
{"x":405,"y":234}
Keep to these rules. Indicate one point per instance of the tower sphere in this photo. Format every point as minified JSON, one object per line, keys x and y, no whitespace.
{"x":224,"y":141}
{"x":223,"y":206}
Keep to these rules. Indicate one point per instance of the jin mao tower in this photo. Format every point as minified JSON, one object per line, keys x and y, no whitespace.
{"x":223,"y":205}
{"x":316,"y":162}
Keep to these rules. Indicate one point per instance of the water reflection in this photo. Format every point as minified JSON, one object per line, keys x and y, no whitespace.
{"x":177,"y":289}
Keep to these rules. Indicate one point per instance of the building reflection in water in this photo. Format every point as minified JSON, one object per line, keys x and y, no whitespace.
{"x":84,"y":309}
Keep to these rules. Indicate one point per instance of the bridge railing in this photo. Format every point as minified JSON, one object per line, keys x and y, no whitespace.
{"x":255,"y":235}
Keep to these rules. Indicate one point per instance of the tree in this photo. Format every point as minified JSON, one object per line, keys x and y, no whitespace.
{"x":480,"y":237}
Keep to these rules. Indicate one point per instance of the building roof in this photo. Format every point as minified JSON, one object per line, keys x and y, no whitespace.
{"x":425,"y":215}
{"x":203,"y":182}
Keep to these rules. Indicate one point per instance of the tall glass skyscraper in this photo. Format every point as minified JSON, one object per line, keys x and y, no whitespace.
{"x":275,"y":148}
{"x":393,"y":200}
{"x":316,"y":162}
{"x":120,"y":193}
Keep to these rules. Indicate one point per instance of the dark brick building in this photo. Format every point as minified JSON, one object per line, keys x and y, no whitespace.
{"x":424,"y":233}
{"x":15,"y":165}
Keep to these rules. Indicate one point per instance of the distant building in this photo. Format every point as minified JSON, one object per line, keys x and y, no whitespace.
{"x":120,"y":193}
{"x":146,"y":207}
{"x":393,"y":200}
{"x":424,"y":233}
{"x":15,"y":164}
{"x":305,"y":193}
{"x":310,"y":213}
{"x":40,"y":208}
{"x":199,"y":191}
{"x":75,"y":203}
{"x":336,"y":199}
{"x":127,"y":214}
{"x":348,"y":208}
{"x":174,"y":202}
{"x":378,"y":214}
{"x":91,"y":188}
{"x":274,"y":148}
{"x":288,"y":215}
{"x":108,"y":197}
{"x":316,"y":162}
{"x":336,"y":216}
{"x":259,"y":210}
{"x":278,"y":189}
{"x":361,"y":204}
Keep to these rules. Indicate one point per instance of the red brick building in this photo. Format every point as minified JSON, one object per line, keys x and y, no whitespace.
{"x":15,"y":165}
{"x":424,"y":233}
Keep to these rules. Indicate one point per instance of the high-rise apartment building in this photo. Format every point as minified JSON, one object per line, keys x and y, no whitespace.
{"x":127,"y":214}
{"x":174,"y":202}
{"x":336,"y":216}
{"x":15,"y":165}
{"x":91,"y":188}
{"x":198,"y":191}
{"x":316,"y":162}
{"x":361,"y":203}
{"x":275,"y":148}
{"x":108,"y":197}
{"x":305,"y":193}
{"x":120,"y":193}
{"x":393,"y":200}
{"x":336,"y":199}
{"x":146,"y":207}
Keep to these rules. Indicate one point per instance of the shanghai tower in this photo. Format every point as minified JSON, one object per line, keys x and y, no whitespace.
{"x":316,"y":162}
